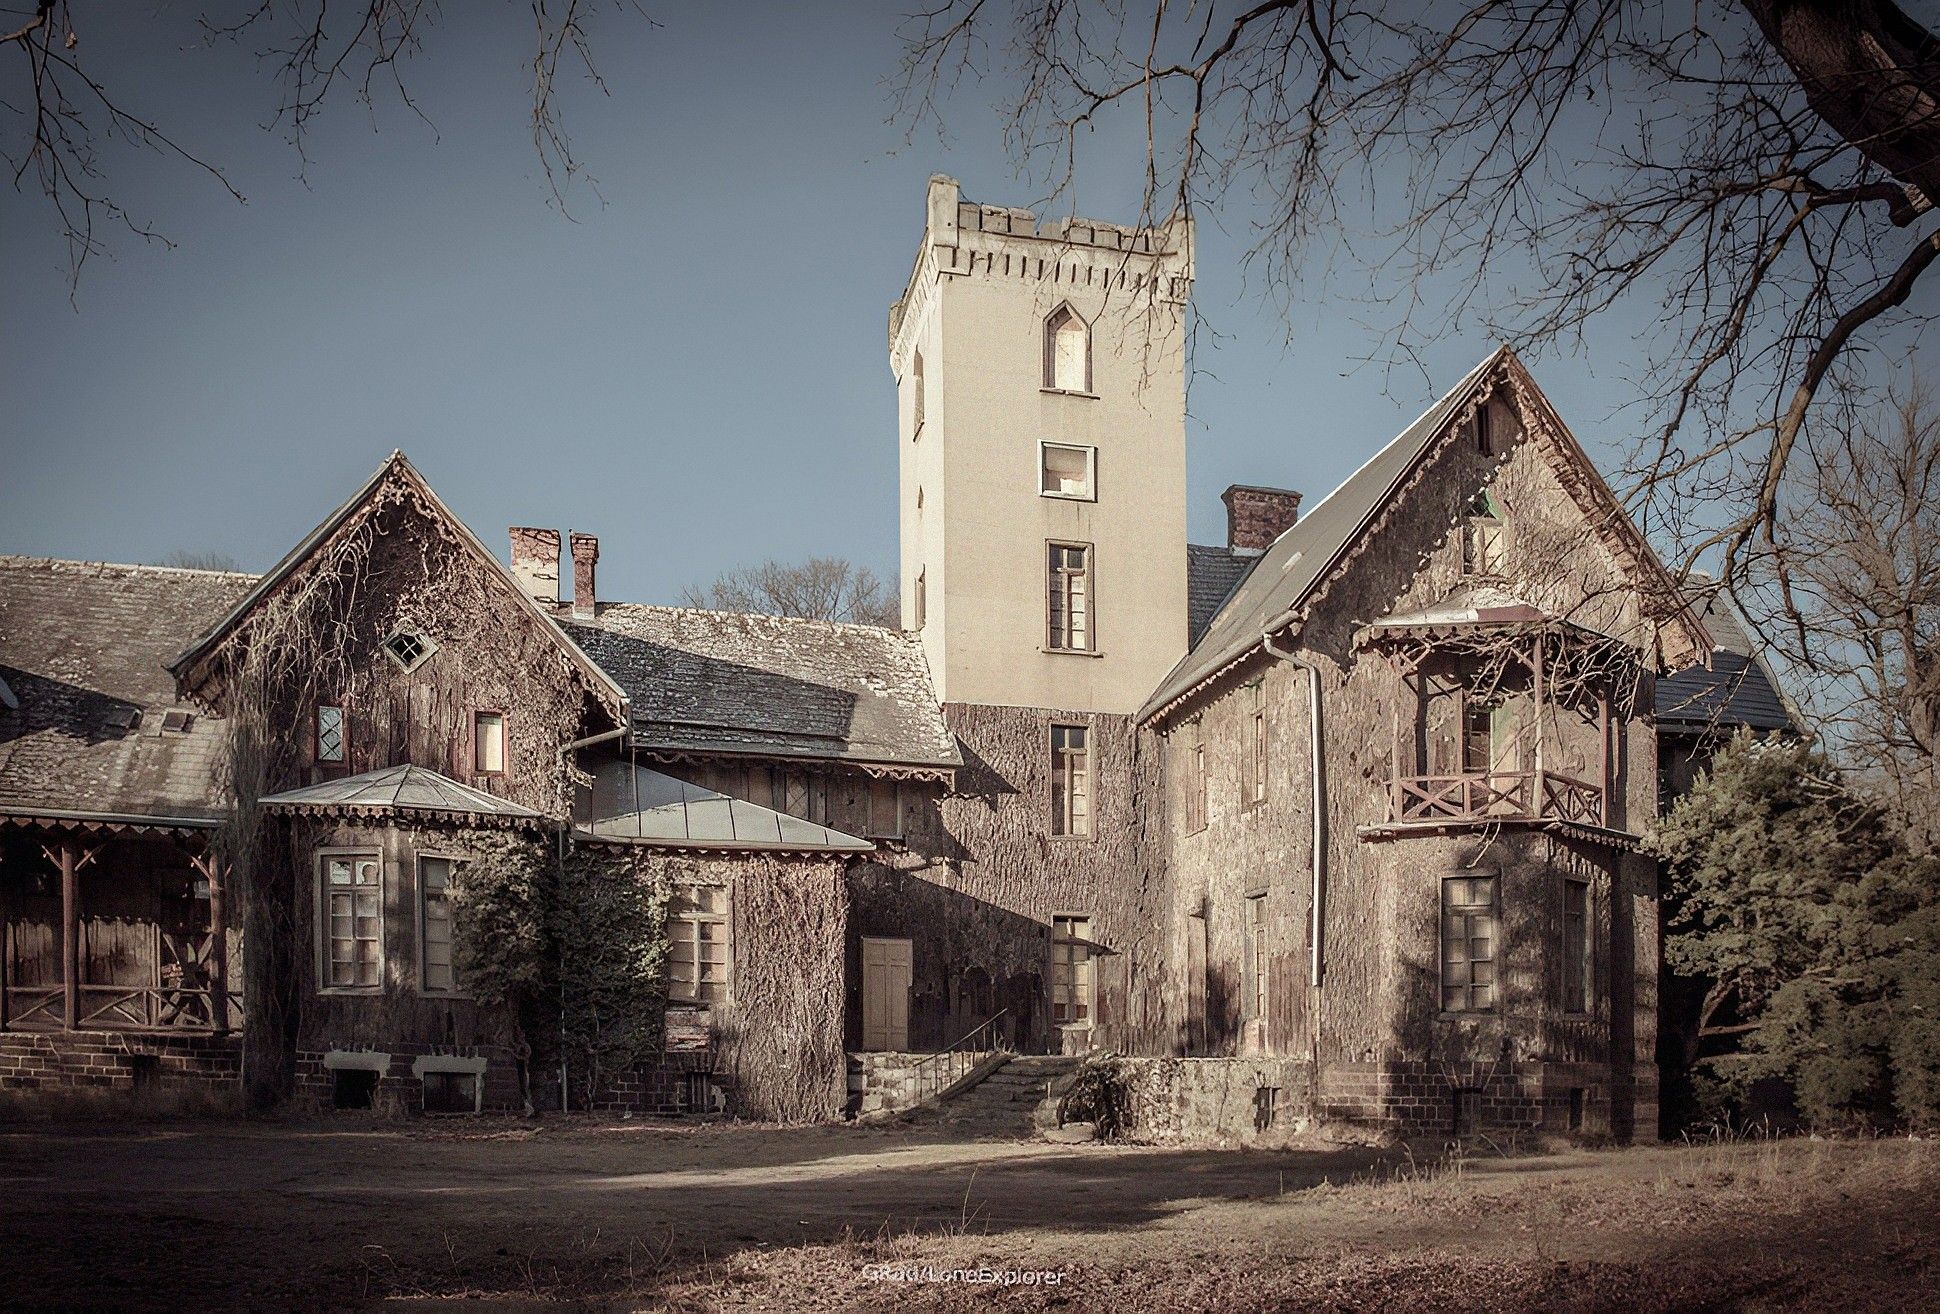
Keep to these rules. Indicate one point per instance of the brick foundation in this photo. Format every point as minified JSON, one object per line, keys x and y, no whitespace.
{"x":401,"y":1090}
{"x":120,"y":1061}
{"x":1420,"y":1098}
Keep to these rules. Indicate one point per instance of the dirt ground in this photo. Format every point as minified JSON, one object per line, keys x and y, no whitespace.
{"x":345,"y":1214}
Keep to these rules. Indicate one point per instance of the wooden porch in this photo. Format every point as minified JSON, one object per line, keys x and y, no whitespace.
{"x":125,"y":928}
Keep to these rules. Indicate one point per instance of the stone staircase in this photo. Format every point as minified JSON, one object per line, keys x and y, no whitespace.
{"x":1007,"y":1101}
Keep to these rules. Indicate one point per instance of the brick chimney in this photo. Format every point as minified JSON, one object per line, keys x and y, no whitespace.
{"x":586,"y":558}
{"x":535,"y":562}
{"x":1257,"y":516}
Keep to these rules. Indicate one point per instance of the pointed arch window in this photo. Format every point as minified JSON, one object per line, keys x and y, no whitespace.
{"x":1067,"y":351}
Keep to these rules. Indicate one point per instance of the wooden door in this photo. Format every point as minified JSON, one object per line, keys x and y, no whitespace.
{"x":885,"y":993}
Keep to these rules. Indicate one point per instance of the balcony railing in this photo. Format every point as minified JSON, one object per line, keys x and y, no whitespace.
{"x":116,"y":1008}
{"x":1497,"y":796}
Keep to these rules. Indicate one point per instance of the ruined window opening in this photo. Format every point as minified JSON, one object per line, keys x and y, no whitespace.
{"x":354,"y":1088}
{"x":1266,"y":1107}
{"x":1070,"y":781}
{"x":1254,"y":757}
{"x":1072,"y":971}
{"x":351,"y":899}
{"x":435,"y":972}
{"x":699,"y":960}
{"x":1576,"y":946}
{"x":1067,"y":471}
{"x":331,"y":739}
{"x":1576,"y":1108}
{"x":1484,"y":440}
{"x":408,"y":648}
{"x":920,"y":604}
{"x":885,"y":809}
{"x":1067,"y":351}
{"x":1468,"y":944}
{"x":1484,"y":539}
{"x":450,"y":1092}
{"x":1195,"y":777}
{"x":1257,"y":953}
{"x":1069,"y":585}
{"x":488,"y":743}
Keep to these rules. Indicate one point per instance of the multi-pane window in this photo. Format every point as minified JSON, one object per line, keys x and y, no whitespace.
{"x":332,"y":734}
{"x":1070,"y":780}
{"x":885,"y":809}
{"x":1067,"y":351}
{"x":1254,"y":754}
{"x":1257,"y":953}
{"x":1195,"y":776}
{"x":1073,"y":972}
{"x":1468,"y":944}
{"x":1576,"y":947}
{"x":697,"y":963}
{"x":1067,"y":471}
{"x":488,"y":743}
{"x":434,"y":923}
{"x":1484,"y":540}
{"x":408,"y":648}
{"x":1069,"y":583}
{"x":353,"y":917}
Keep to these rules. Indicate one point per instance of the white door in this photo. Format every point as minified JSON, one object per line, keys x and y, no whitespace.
{"x":885,"y":994}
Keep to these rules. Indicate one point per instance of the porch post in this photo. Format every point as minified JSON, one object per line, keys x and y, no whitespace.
{"x":1603,"y":729}
{"x":217,"y":874}
{"x":69,"y":860}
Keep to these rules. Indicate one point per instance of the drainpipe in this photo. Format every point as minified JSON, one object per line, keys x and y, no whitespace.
{"x":1319,"y":776}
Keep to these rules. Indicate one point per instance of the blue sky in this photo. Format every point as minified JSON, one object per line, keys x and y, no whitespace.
{"x":694,"y":371}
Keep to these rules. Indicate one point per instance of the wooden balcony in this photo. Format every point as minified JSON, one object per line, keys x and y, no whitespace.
{"x":1496,"y":796}
{"x":162,"y":1008}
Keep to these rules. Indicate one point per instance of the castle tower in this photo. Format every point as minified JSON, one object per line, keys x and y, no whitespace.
{"x":1041,"y":385}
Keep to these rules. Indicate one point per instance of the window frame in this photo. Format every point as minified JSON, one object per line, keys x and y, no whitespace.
{"x":1492,"y":910}
{"x":1196,"y":777}
{"x":321,"y":907}
{"x":454,"y":860}
{"x":1044,"y":446}
{"x":417,"y":635}
{"x":1485,"y":539}
{"x":870,"y":829}
{"x":1062,"y":826}
{"x":1053,"y":324}
{"x":1254,"y":753}
{"x":343,"y":734}
{"x":1080,"y":966}
{"x":1581,"y":939}
{"x":1054,"y":591}
{"x":678,"y":917}
{"x":504,"y":741}
{"x":1258,"y":995}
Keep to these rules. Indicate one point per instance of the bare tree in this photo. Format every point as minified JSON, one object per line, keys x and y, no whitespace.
{"x":1864,"y":562}
{"x":1749,"y":171}
{"x":60,"y":113}
{"x":822,"y":588}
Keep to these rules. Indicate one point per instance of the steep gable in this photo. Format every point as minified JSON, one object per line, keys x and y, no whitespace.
{"x":1291,"y":582}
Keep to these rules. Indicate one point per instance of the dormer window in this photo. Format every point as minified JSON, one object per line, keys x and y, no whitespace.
{"x":408,"y":648}
{"x":1067,"y":352}
{"x":1484,"y":539}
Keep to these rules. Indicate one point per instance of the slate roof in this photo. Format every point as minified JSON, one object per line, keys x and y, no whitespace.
{"x":1289,"y":570}
{"x":675,"y":814}
{"x":715,"y":681}
{"x":402,"y":789}
{"x":84,"y":648}
{"x":1211,"y":573}
{"x":1738,"y":690}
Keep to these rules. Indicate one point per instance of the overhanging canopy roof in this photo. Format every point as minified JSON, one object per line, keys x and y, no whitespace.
{"x":675,"y":814}
{"x":404,"y":789}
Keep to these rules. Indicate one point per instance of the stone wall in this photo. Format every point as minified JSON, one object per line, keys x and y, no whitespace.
{"x":1259,"y":1101}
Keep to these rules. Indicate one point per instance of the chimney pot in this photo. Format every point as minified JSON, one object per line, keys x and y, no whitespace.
{"x":586,"y":557}
{"x":1256,"y":516}
{"x":535,"y":562}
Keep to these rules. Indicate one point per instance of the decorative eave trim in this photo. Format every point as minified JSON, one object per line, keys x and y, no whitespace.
{"x":1608,"y":836}
{"x":936,"y":773}
{"x":729,"y":847}
{"x":393,"y":813}
{"x":112,"y":822}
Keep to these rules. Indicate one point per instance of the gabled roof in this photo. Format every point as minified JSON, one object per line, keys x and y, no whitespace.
{"x":188,"y":666}
{"x":771,"y":686}
{"x":675,"y":814}
{"x":1737,"y":690}
{"x":1290,"y":575}
{"x":403,"y":789}
{"x":83,"y":647}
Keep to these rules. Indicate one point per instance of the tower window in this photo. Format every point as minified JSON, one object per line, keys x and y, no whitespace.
{"x":916,"y":388}
{"x":1070,"y":780}
{"x":1067,"y":351}
{"x":1067,"y":471}
{"x":1069,"y":586}
{"x":920,"y":600}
